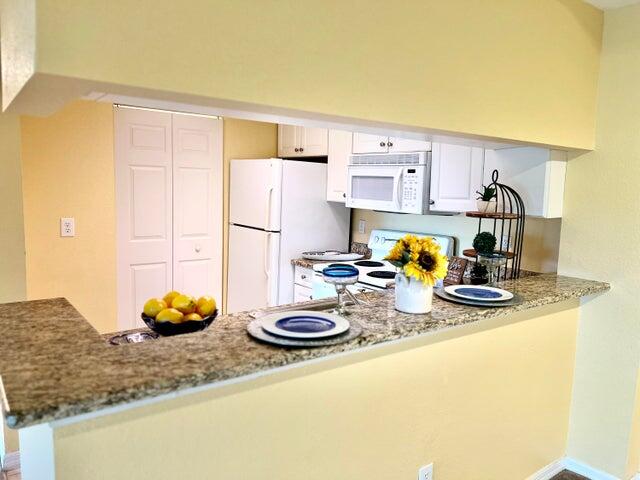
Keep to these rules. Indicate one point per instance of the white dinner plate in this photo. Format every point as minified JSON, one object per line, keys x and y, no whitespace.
{"x":332,"y":256}
{"x":304,"y":324}
{"x":479,"y":293}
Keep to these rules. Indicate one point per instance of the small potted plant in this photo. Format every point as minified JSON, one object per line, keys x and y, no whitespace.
{"x":478,"y":274}
{"x":420,"y":265}
{"x":486,"y":200}
{"x":484,"y":244}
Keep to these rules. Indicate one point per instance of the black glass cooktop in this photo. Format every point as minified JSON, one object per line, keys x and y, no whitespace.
{"x":382,"y":274}
{"x":368,"y":263}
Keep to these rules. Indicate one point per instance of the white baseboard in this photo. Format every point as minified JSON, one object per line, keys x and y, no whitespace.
{"x":549,"y":471}
{"x":574,"y":466}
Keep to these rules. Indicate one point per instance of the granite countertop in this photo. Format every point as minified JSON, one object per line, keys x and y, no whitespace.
{"x":54,"y":365}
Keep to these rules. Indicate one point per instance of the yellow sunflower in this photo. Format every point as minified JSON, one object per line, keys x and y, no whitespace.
{"x":419,"y":258}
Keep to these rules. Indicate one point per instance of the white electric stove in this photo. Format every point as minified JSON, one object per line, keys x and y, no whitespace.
{"x":375,"y":273}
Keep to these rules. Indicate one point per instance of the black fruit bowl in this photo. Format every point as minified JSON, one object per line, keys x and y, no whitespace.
{"x":167,"y":329}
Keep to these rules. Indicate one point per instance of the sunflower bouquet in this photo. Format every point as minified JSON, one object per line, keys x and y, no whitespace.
{"x":419,"y":258}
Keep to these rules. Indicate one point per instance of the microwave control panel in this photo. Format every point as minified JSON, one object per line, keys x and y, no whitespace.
{"x":412,"y":190}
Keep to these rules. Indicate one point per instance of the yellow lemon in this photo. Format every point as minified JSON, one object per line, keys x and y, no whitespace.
{"x":206,"y":306}
{"x":184,"y":304}
{"x":169,"y":315}
{"x":153,"y":307}
{"x":169,"y":297}
{"x":192,"y":316}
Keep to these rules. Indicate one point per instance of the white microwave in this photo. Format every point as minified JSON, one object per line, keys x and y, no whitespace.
{"x":391,"y":182}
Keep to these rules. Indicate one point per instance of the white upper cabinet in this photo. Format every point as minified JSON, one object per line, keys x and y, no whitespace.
{"x":456,"y":174}
{"x":340,"y":147}
{"x":313,"y":142}
{"x":287,"y":140}
{"x":296,"y":141}
{"x":537,"y":174}
{"x":397,"y":144}
{"x":367,"y":143}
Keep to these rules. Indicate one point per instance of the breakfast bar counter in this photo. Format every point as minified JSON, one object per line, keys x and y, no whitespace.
{"x":54,"y":365}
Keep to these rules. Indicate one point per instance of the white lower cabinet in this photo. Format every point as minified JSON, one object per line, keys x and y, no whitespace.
{"x":301,"y":294}
{"x":456,"y":175}
{"x":303,"y":281}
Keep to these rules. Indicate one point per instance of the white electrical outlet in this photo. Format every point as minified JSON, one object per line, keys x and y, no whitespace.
{"x":362,"y":226}
{"x":426,"y":472}
{"x":67,"y":227}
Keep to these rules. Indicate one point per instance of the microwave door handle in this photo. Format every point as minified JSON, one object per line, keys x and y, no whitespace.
{"x":398,"y":190}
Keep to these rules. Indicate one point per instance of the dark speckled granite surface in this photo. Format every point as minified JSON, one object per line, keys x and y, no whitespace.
{"x":53,"y":364}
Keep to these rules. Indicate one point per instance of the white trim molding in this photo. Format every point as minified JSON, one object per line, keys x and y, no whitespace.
{"x":575,"y":466}
{"x":548,"y":472}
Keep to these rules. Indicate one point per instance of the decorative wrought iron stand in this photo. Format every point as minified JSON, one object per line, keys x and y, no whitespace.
{"x":508,"y":218}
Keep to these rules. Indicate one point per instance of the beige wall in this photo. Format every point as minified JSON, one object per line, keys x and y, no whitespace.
{"x":12,"y":263}
{"x":523,"y":69}
{"x":243,"y":139}
{"x":600,"y":240}
{"x":540,"y":243}
{"x":490,"y":405}
{"x":69,"y":172}
{"x":12,"y":260}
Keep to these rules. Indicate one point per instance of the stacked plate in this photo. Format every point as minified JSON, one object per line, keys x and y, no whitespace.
{"x":478,"y":295}
{"x":302,"y":328}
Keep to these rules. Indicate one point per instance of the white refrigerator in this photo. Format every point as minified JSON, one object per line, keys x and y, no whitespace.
{"x":277,"y":210}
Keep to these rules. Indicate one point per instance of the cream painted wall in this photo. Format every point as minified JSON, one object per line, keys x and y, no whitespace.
{"x":488,"y":405}
{"x":12,"y":262}
{"x":12,"y":259}
{"x":540,"y":244}
{"x":600,"y":239}
{"x":522,"y":70}
{"x":243,"y":139}
{"x":68,"y":172}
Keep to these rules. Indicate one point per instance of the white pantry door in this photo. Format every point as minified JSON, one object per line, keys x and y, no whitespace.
{"x":143,"y":174}
{"x":197,"y":205}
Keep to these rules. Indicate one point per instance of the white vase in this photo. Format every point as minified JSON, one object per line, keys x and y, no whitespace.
{"x":412,"y":296}
{"x":485,"y":206}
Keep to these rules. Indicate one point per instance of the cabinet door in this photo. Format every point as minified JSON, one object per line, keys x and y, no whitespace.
{"x":397,"y":144}
{"x":340,"y":147}
{"x":288,"y":140}
{"x":301,"y":294}
{"x":313,"y":142}
{"x":366,"y":143}
{"x":456,"y":174}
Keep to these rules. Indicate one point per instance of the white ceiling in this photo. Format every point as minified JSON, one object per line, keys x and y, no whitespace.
{"x":608,"y":4}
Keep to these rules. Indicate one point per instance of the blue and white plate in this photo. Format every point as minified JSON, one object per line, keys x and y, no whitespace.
{"x":304,"y":324}
{"x":479,"y":293}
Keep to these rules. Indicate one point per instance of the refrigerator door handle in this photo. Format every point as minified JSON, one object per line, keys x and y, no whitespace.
{"x":267,"y":213}
{"x":267,"y":266}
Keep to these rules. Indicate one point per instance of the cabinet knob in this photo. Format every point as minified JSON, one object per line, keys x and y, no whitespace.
{"x":198,"y":248}
{"x":297,"y":149}
{"x":344,"y":195}
{"x":389,"y":144}
{"x":382,"y":144}
{"x":432,"y":202}
{"x":301,"y":149}
{"x":303,"y":277}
